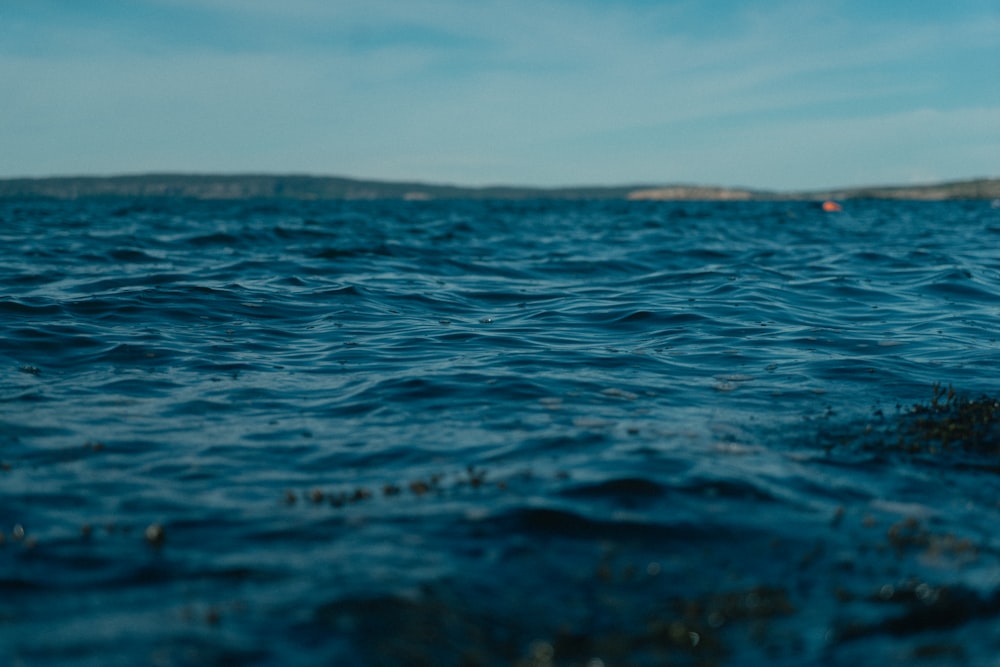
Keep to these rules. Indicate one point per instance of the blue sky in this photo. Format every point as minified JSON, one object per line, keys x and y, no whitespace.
{"x":785,"y":95}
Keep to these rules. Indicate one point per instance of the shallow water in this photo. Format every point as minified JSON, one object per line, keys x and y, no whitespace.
{"x":486,"y":433}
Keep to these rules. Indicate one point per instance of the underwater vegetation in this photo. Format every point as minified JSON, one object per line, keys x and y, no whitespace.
{"x":951,"y":422}
{"x":950,"y":429}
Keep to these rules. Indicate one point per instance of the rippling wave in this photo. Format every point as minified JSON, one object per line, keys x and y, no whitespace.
{"x":488,"y":433}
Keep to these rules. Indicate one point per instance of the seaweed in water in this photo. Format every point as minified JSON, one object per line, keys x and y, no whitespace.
{"x":952,"y":423}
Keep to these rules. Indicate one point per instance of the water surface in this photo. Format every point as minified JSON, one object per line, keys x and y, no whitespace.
{"x":488,"y":433}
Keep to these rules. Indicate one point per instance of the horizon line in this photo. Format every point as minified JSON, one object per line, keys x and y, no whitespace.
{"x":494,"y":186}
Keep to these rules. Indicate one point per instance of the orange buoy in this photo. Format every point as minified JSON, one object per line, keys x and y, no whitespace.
{"x":831,"y":206}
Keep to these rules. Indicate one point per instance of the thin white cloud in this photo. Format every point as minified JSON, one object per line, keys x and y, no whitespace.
{"x":485,"y":92}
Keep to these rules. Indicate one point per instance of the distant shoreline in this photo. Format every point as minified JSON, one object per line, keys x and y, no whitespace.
{"x":300,"y":187}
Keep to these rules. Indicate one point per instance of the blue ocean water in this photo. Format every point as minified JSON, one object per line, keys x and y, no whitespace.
{"x":493,"y":433}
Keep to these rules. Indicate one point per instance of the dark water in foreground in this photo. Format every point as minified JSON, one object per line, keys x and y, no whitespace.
{"x":493,"y":434}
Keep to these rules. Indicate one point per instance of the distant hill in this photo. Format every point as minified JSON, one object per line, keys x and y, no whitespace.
{"x":983,"y":188}
{"x":265,"y":186}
